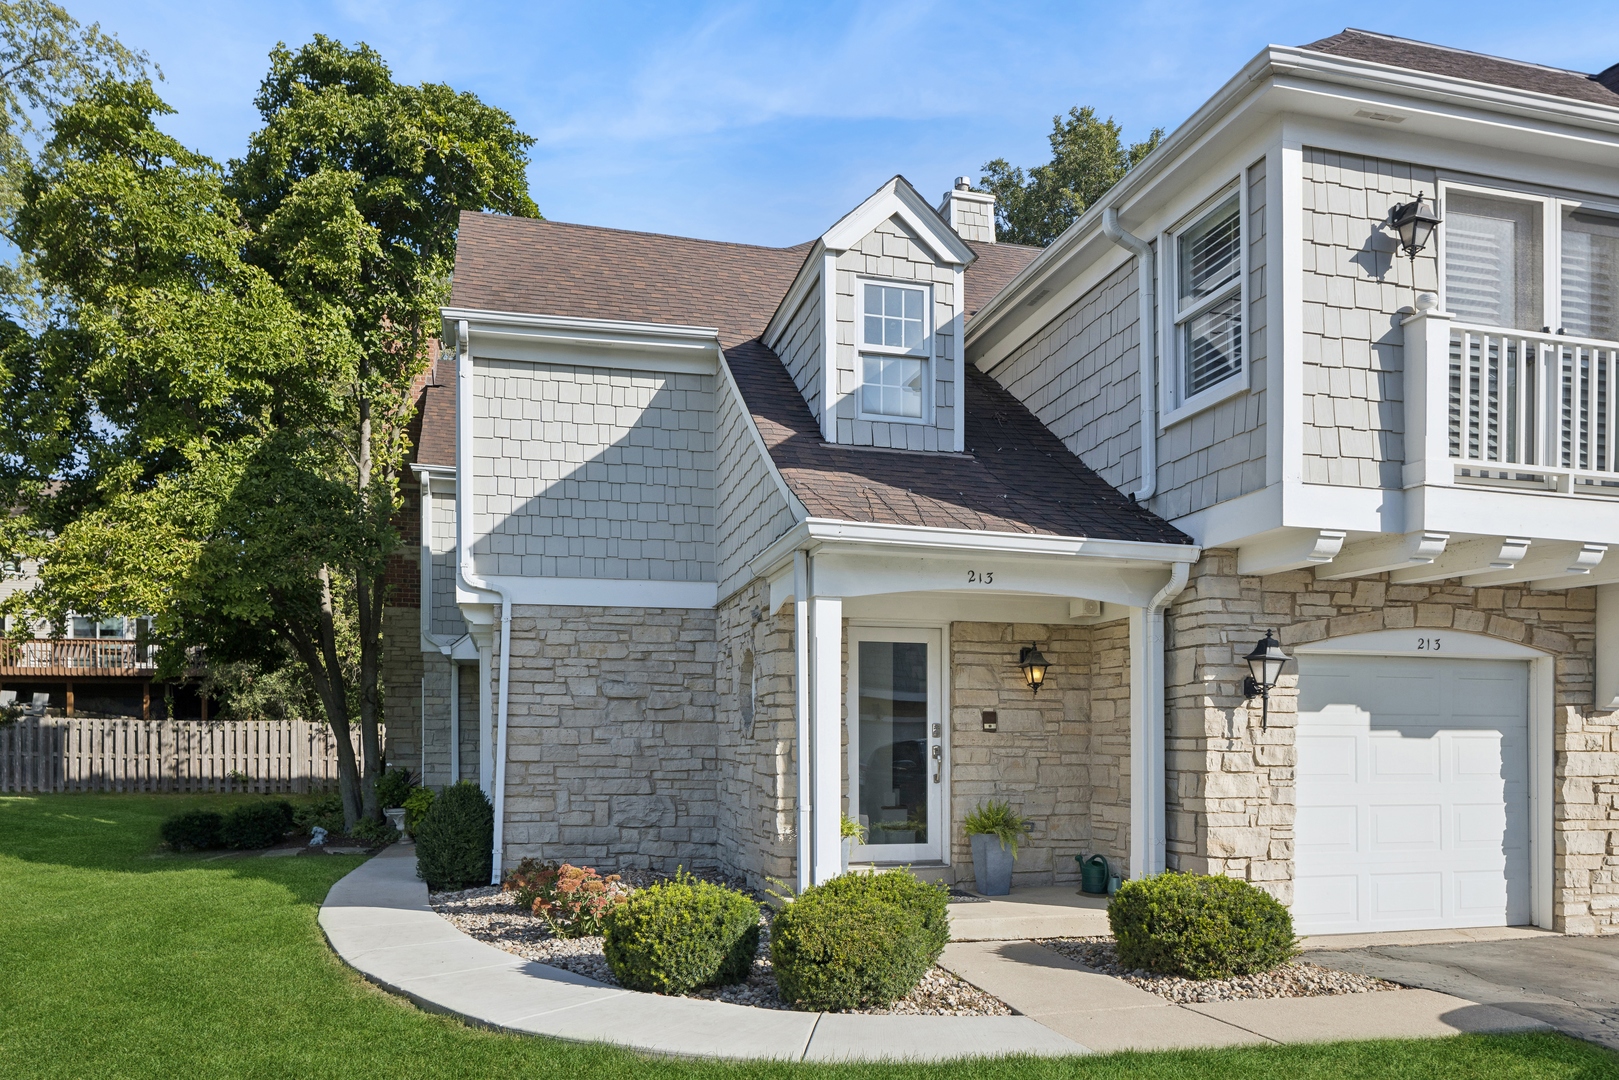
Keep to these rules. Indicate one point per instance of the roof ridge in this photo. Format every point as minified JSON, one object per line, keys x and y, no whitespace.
{"x":1451,"y":49}
{"x":638,"y":232}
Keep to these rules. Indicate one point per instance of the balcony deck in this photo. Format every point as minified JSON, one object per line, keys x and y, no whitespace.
{"x":74,"y":659}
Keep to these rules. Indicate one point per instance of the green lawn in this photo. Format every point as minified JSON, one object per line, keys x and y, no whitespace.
{"x":119,"y":960}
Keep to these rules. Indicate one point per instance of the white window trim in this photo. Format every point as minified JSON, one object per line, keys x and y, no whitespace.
{"x":1551,"y":229}
{"x":923,"y":353}
{"x":1173,"y":408}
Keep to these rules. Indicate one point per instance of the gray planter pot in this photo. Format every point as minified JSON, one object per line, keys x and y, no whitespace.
{"x":396,"y":818}
{"x":992,"y":866}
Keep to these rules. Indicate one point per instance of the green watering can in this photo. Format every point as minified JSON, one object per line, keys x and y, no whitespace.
{"x":1093,"y":874}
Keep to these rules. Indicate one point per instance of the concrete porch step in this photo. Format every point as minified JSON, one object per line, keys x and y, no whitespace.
{"x":1041,"y":911}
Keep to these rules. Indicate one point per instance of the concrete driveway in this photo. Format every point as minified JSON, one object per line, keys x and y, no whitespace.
{"x":1571,"y":983}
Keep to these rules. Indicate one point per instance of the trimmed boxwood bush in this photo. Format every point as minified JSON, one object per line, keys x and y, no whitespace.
{"x":1199,"y":926}
{"x":454,"y":842}
{"x":859,"y":940}
{"x":679,"y":935}
{"x":256,"y":825}
{"x":197,"y":830}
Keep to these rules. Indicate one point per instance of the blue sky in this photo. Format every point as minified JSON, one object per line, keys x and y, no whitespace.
{"x":765,"y":122}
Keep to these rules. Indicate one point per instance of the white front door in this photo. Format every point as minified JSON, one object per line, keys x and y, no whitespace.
{"x":896,"y":743}
{"x":1413,"y":794}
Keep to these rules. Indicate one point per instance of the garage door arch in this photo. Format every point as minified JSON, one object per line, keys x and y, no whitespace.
{"x":1406,"y":645}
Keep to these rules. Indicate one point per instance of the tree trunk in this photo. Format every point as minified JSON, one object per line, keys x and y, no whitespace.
{"x":318,"y":658}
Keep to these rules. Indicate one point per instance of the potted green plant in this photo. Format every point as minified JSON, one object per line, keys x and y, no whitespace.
{"x":993,"y":830}
{"x":853,"y":833}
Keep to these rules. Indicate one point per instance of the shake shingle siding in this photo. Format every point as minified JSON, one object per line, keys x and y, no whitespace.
{"x":752,"y":512}
{"x":1355,"y":284}
{"x":446,"y":616}
{"x":593,"y":472}
{"x":1080,"y":376}
{"x":801,"y":346}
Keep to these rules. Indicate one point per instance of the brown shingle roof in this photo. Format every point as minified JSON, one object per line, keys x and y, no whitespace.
{"x":550,"y":268}
{"x":1016,"y":476}
{"x":1602,"y":89}
{"x":436,"y":443}
{"x":993,"y":270}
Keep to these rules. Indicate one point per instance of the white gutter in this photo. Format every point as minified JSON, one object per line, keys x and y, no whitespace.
{"x":1148,"y":396}
{"x":463,"y":565}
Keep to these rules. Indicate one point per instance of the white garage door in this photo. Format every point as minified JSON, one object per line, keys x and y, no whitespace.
{"x":1413,"y":794}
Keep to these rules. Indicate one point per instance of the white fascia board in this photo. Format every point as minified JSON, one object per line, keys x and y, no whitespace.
{"x":1481,"y":511}
{"x":614,"y":343}
{"x":606,"y":592}
{"x":433,"y":472}
{"x":823,"y":533}
{"x":809,"y":276}
{"x":899,"y":198}
{"x":1301,"y":73}
{"x":794,"y":507}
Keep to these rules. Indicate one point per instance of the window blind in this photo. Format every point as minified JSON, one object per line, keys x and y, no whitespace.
{"x":1492,"y":261}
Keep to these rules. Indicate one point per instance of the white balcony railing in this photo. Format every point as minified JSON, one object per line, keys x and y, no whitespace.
{"x":1510,"y":408}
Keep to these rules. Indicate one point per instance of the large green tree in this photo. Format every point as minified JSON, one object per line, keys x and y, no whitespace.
{"x":1088,"y":156}
{"x":232,"y":367}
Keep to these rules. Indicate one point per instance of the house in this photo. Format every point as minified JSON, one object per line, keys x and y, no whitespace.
{"x":719,"y":543}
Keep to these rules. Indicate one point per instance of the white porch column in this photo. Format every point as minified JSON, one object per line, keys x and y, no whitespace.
{"x":826,"y":737}
{"x":1427,"y":395}
{"x":1146,"y":741}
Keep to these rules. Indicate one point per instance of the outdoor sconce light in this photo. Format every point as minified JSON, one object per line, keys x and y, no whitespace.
{"x":1415,"y":223}
{"x":1034,"y":666}
{"x":1264,"y":669}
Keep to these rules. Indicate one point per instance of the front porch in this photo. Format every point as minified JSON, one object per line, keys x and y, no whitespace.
{"x":913,"y":708}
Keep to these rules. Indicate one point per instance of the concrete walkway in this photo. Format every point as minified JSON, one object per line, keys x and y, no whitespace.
{"x":378,"y":921}
{"x":1109,"y":1014}
{"x":1043,"y":911}
{"x":1571,"y":983}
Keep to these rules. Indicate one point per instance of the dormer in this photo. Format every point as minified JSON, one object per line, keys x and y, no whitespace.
{"x":881,"y":295}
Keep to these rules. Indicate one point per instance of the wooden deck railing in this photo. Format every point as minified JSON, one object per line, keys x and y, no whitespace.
{"x":44,"y":659}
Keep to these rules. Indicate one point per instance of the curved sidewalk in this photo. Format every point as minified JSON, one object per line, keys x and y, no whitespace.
{"x":378,"y":921}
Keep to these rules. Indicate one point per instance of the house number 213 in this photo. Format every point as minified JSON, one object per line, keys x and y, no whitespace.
{"x":980,"y":577}
{"x":1427,"y":644}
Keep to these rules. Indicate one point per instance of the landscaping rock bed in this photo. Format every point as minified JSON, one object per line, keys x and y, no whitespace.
{"x":489,"y":915}
{"x":1291,"y":980}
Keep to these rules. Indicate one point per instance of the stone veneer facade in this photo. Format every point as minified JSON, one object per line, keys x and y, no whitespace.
{"x":1231,"y":786}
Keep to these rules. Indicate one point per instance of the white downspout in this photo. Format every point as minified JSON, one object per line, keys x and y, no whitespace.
{"x":464,"y":466}
{"x":801,"y":709}
{"x":1145,"y":279}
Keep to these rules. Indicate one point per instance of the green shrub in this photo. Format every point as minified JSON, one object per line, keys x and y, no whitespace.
{"x":1199,"y":926}
{"x":678,"y":935}
{"x":375,"y":833}
{"x":394,"y":787}
{"x":325,"y":812}
{"x":574,"y":901}
{"x":416,"y":805}
{"x":256,"y":825}
{"x":454,"y":841}
{"x":859,"y":940}
{"x":197,"y":830}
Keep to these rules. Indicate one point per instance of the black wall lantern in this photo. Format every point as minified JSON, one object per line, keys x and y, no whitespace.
{"x":1265,"y":665}
{"x":1415,"y":222}
{"x":1034,"y":665}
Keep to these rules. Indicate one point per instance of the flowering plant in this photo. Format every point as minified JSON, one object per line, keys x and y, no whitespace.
{"x":573,"y":900}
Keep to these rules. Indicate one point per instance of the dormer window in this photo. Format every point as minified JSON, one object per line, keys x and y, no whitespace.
{"x":893,"y":351}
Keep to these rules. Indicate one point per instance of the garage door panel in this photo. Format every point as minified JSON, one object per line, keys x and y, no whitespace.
{"x":1329,"y":828}
{"x":1407,"y":828}
{"x":1403,"y":759}
{"x":1412,"y":799}
{"x":1413,"y":897}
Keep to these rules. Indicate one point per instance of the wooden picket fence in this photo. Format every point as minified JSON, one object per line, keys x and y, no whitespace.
{"x":89,"y":754}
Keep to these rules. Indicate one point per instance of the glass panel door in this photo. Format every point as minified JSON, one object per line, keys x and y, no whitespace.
{"x":896,"y":744}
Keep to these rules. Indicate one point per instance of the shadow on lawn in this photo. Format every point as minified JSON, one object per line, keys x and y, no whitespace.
{"x":119,"y":833}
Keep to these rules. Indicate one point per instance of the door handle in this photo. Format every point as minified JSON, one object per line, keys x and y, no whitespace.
{"x":938,"y":756}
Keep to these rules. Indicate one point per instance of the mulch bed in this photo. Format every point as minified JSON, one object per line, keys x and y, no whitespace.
{"x":489,"y":915}
{"x":1291,"y":980}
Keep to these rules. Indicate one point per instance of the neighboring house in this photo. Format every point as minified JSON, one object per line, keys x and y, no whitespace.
{"x":720,"y":542}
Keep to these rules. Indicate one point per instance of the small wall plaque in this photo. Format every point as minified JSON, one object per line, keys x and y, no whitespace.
{"x":991,"y":721}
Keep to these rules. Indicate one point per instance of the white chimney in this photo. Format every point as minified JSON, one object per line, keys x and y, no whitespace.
{"x":971,"y":213}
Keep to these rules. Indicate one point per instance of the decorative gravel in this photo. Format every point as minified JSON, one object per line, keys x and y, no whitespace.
{"x":489,"y":915}
{"x":1291,"y":980}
